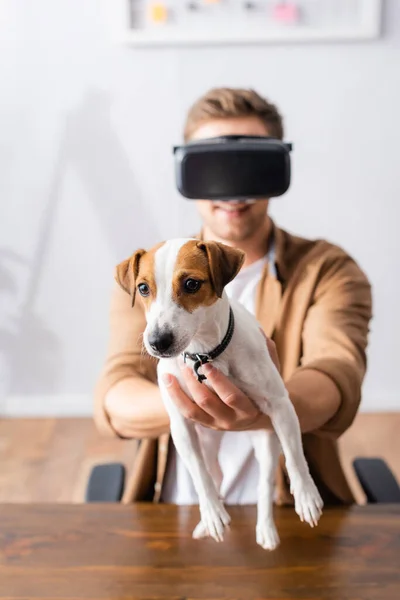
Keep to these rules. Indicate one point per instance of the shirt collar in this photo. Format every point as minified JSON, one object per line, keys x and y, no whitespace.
{"x":276,"y":263}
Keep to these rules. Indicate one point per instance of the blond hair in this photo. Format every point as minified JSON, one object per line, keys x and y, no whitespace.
{"x":220,"y":103}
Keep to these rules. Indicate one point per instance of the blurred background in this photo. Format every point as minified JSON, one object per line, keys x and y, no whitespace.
{"x":87,"y":127}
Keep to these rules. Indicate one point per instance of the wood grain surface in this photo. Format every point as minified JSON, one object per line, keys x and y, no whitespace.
{"x":146,"y":551}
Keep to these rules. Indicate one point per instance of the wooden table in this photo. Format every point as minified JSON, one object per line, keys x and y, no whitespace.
{"x":145,"y":551}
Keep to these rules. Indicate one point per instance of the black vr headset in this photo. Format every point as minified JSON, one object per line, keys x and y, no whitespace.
{"x":233,"y":167}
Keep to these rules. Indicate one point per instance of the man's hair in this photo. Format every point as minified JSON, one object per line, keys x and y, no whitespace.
{"x":220,"y":103}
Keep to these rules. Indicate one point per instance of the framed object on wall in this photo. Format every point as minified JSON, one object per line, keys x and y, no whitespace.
{"x":216,"y":22}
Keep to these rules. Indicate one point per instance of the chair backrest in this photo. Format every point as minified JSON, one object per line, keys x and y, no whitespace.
{"x":377,"y":481}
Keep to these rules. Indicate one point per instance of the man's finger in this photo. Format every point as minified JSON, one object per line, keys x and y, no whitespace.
{"x":230,"y":395}
{"x":205,"y":398}
{"x":273,"y":353}
{"x":188,"y":408}
{"x":272,"y":350}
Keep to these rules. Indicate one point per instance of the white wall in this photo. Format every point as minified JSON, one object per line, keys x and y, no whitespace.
{"x":86,"y":130}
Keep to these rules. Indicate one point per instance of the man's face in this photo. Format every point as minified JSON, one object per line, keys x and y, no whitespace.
{"x":232,"y":221}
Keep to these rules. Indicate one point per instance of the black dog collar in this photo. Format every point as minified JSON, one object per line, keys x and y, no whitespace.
{"x":202,"y":359}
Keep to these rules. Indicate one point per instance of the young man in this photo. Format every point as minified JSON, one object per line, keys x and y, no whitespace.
{"x":311,"y":299}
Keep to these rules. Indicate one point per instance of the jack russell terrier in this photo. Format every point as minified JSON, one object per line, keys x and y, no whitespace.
{"x":181,"y":283}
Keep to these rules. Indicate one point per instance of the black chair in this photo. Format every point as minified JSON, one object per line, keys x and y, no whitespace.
{"x":106,"y":482}
{"x":377,"y":481}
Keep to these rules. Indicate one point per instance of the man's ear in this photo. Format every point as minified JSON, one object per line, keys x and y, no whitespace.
{"x":126,"y":273}
{"x":224,"y":263}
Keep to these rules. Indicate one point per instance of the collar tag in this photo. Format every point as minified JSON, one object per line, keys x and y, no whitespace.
{"x":200,"y":359}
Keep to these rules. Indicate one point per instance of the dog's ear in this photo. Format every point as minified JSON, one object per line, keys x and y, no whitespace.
{"x":224,"y":263}
{"x":127,"y":272}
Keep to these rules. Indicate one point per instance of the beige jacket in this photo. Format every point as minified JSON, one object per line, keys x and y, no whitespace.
{"x":317,"y":311}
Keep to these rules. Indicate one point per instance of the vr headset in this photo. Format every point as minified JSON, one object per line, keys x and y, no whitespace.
{"x":233,"y":167}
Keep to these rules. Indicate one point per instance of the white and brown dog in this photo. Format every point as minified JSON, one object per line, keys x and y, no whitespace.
{"x":181,"y":283}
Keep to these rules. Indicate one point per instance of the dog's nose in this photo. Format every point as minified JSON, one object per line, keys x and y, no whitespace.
{"x":160,"y":342}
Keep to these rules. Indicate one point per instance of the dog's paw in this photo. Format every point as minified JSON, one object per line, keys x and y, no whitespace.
{"x":214,"y":520}
{"x":200,"y":531}
{"x":308,"y":502}
{"x":266,"y":535}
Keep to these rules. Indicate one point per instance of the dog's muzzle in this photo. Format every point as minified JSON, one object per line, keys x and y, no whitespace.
{"x":161,"y":342}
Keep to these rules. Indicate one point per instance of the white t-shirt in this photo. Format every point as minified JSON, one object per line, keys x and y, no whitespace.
{"x":236,"y":456}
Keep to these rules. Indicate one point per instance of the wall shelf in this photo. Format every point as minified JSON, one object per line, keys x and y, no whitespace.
{"x":227,"y":22}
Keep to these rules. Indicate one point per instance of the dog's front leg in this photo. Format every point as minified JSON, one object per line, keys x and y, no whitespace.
{"x":214,"y":517}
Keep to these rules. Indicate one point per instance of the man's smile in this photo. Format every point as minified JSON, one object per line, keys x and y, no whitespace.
{"x":232,"y":210}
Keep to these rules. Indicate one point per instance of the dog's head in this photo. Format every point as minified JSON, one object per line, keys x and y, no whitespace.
{"x":177,"y":281}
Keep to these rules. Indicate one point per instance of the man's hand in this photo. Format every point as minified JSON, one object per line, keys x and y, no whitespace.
{"x":227,"y":408}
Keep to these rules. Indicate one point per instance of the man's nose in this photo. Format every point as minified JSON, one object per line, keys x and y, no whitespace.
{"x":161,"y":341}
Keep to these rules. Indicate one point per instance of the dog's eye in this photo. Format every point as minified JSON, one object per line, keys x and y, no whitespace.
{"x":143,"y":289}
{"x":192,"y":285}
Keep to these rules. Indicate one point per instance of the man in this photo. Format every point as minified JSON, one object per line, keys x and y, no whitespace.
{"x":310,"y":298}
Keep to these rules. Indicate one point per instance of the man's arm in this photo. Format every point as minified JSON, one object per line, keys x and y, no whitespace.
{"x":315,"y":397}
{"x":335,"y":339}
{"x":135,"y":409}
{"x":127,"y":399}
